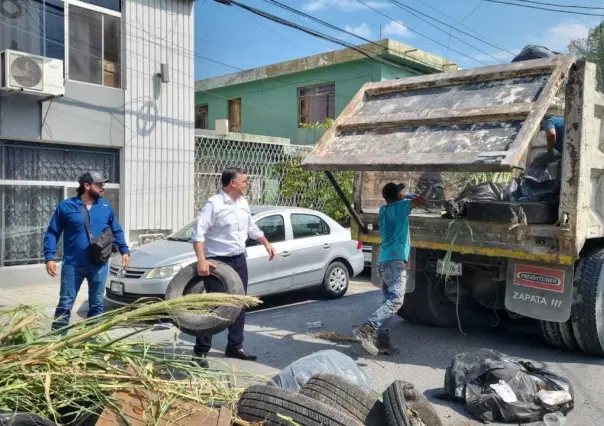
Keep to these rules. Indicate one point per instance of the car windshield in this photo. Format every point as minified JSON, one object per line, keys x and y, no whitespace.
{"x":183,"y":234}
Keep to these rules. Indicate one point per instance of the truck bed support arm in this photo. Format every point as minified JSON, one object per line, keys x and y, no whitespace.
{"x":340,"y":192}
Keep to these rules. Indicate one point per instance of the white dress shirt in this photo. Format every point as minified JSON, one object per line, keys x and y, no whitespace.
{"x":224,"y":225}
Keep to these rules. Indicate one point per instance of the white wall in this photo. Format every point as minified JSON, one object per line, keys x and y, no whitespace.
{"x":158,"y":160}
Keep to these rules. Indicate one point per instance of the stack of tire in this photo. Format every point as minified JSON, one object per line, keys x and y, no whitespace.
{"x":330,"y":400}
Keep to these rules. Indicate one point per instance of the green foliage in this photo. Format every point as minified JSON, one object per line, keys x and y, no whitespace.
{"x":312,"y":190}
{"x":323,"y":126}
{"x":591,"y":49}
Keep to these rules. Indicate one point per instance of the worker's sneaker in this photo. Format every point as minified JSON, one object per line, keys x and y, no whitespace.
{"x":385,"y":345}
{"x":366,"y":335}
{"x":201,"y":360}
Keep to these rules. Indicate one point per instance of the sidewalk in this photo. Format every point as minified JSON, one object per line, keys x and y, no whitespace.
{"x":44,"y":295}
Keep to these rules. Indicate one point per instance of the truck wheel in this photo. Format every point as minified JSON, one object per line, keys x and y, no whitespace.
{"x":429,"y":304}
{"x":587,"y":310}
{"x":559,"y":334}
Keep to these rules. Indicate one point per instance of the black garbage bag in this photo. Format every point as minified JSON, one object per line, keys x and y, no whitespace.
{"x":541,"y":182}
{"x":497,"y":387}
{"x":533,"y":52}
{"x":23,"y":419}
{"x":488,"y":191}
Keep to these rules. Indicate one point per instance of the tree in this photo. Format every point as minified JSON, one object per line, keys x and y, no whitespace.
{"x":591,"y":49}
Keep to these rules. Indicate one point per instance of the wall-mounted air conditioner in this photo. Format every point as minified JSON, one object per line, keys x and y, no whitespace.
{"x":32,"y":74}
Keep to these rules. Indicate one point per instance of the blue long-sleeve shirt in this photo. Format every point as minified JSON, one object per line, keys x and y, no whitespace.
{"x":69,"y":220}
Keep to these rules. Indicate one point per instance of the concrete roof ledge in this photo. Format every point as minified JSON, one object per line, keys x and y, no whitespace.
{"x":402,"y":54}
{"x":242,"y":137}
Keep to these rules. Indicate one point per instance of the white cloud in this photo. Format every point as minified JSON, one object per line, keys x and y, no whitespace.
{"x":362,"y":30}
{"x":559,"y":36}
{"x":345,"y":5}
{"x":396,"y":28}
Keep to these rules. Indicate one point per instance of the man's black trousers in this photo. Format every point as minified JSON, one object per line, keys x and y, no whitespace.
{"x":235,"y":339}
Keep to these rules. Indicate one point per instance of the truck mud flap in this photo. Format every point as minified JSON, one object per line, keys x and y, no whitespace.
{"x":539,"y":290}
{"x":375,"y":278}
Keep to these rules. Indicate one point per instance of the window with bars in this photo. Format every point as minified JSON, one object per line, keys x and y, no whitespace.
{"x":201,"y":117}
{"x":316,"y":103}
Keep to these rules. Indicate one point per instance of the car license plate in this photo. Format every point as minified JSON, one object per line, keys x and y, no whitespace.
{"x":367,"y":257}
{"x":452,"y":268}
{"x":117,"y":288}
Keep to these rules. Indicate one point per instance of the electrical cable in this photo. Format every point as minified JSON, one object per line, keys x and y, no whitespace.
{"x":569,"y":12}
{"x":570,"y":6}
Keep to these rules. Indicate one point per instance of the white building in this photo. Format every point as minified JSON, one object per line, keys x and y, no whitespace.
{"x":104,"y":85}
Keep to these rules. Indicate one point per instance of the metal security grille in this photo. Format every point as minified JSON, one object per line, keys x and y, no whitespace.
{"x":272,"y":170}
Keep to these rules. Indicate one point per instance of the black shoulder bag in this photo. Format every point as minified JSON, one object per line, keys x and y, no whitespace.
{"x":100,"y":249}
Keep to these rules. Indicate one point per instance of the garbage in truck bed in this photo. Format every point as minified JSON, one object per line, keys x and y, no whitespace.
{"x":530,"y":198}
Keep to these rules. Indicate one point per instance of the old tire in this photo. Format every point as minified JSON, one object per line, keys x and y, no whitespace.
{"x":587,"y":311}
{"x":345,"y":396}
{"x":260,"y":403}
{"x":336,"y":280}
{"x":222,"y":279}
{"x":558,"y":334}
{"x":428,"y":303}
{"x":402,"y":402}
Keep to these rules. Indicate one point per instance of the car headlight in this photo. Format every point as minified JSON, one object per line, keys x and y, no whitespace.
{"x":165,"y":271}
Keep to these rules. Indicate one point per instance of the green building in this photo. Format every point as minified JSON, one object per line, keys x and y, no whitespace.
{"x":277,"y":100}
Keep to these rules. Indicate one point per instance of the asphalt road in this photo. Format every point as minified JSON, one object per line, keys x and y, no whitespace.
{"x":277,"y":334}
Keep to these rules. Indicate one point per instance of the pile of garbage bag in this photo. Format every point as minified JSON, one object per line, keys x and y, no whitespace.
{"x":497,"y":387}
{"x":539,"y":184}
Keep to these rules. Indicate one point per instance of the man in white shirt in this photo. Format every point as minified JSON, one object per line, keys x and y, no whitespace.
{"x":223,"y":226}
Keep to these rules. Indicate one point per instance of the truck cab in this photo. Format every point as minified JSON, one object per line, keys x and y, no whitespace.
{"x":542,"y":260}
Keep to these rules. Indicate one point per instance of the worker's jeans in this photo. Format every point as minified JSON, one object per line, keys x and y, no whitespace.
{"x":394,"y":280}
{"x":72,"y":277}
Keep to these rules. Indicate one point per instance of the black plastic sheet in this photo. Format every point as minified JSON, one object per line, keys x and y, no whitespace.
{"x":23,"y":419}
{"x":471,"y":374}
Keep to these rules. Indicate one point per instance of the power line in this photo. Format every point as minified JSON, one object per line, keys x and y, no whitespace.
{"x":472,"y":11}
{"x":460,"y":23}
{"x":570,"y":6}
{"x":407,"y":8}
{"x":420,"y":34}
{"x":568,"y":12}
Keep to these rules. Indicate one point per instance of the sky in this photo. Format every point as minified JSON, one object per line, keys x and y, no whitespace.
{"x":229,"y":39}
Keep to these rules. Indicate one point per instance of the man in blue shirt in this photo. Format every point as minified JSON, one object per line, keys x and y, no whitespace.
{"x":554,"y":133}
{"x":68,"y":219}
{"x":394,"y":255}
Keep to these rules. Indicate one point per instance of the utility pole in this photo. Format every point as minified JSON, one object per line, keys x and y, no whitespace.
{"x":380,"y":32}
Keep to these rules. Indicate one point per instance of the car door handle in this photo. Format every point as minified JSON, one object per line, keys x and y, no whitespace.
{"x":326,"y":246}
{"x":285,"y":254}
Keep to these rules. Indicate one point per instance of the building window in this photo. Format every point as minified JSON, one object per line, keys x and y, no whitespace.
{"x":94,"y":47}
{"x":201,"y":117}
{"x":235,"y":115}
{"x":316,"y":103}
{"x":34,"y":26}
{"x":107,"y":4}
{"x":34,"y":178}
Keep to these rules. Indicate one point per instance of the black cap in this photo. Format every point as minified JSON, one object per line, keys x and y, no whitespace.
{"x":391,"y":190}
{"x":91,"y":178}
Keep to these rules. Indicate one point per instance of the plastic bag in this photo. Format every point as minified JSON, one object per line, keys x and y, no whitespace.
{"x":484,"y":379}
{"x":533,"y":52}
{"x":488,"y":191}
{"x":295,"y":375}
{"x":23,"y":419}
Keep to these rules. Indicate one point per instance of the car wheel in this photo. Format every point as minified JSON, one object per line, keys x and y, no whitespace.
{"x":335,"y":282}
{"x":271,"y":406}
{"x":222,"y":279}
{"x":345,"y":396}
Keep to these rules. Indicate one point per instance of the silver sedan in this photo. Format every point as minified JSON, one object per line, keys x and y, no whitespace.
{"x":312,"y":250}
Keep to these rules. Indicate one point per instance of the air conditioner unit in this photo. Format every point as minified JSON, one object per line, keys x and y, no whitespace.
{"x":32,"y":74}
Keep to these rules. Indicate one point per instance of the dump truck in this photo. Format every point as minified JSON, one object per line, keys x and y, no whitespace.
{"x":485,"y":120}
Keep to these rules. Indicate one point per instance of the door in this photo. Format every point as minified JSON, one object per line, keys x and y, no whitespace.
{"x":310,"y":248}
{"x":270,"y":276}
{"x":235,"y":115}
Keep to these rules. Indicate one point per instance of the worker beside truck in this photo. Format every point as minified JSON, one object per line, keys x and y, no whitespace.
{"x":395,"y":247}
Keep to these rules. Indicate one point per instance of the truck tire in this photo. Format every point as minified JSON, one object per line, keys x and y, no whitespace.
{"x":222,"y":279}
{"x":261,"y":403}
{"x":587,"y":311}
{"x":346,"y":396}
{"x":428,"y":303}
{"x":559,"y":334}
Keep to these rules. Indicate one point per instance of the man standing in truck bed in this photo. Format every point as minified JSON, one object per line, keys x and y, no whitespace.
{"x":394,"y":255}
